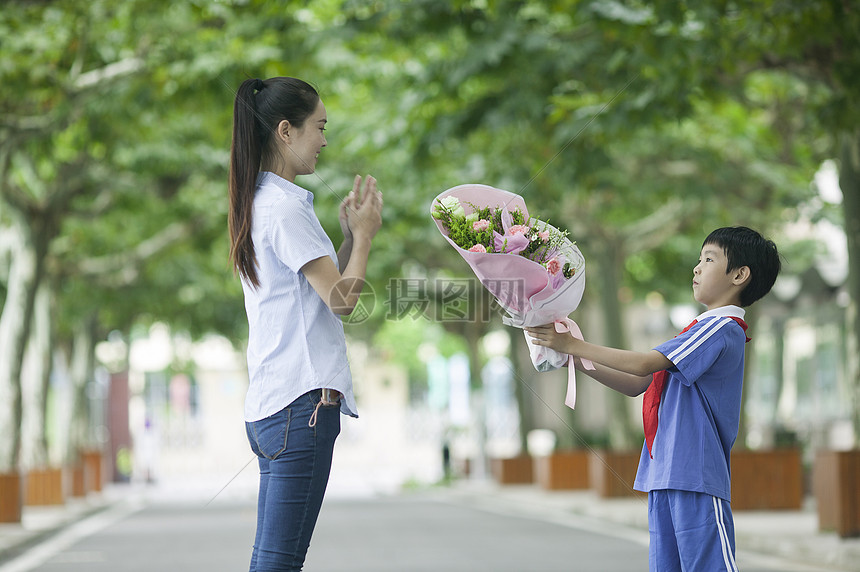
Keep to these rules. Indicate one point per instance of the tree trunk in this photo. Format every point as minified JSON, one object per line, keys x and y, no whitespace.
{"x":35,"y":378}
{"x":474,"y":331}
{"x":82,"y":370}
{"x":751,"y":319}
{"x":779,"y":369}
{"x":849,"y":182}
{"x":14,"y":332}
{"x":527,"y":417}
{"x":609,"y":263}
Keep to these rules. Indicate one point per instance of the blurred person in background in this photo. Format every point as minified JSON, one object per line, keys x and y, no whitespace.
{"x":295,"y":286}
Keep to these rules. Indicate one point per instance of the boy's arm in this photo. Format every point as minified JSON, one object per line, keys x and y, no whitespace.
{"x":628,"y":384}
{"x":634,"y":363}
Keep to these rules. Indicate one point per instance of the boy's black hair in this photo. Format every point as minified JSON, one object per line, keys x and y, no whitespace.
{"x":745,"y":247}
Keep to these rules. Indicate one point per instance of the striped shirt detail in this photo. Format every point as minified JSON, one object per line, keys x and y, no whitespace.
{"x":697,"y":339}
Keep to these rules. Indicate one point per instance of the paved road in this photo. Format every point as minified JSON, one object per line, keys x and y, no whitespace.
{"x":410,"y":533}
{"x":421,"y":534}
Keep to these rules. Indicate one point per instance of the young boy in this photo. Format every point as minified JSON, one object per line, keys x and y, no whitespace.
{"x":696,"y":388}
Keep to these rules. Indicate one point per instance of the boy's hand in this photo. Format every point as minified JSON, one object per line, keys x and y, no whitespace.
{"x":547,"y":335}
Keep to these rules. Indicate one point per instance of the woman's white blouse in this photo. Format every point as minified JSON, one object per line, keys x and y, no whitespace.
{"x":295,"y":342}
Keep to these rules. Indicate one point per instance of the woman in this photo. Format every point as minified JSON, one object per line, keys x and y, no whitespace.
{"x":295,"y":286}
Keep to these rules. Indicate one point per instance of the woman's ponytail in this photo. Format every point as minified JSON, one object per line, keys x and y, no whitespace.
{"x":245,"y":155}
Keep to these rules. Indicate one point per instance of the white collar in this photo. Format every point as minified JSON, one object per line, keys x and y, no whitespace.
{"x":267,"y":177}
{"x":727,"y":311}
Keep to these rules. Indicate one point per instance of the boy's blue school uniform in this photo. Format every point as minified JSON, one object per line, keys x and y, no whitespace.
{"x":688,"y":478}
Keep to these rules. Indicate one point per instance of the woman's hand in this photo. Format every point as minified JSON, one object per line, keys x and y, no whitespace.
{"x":365,"y":217}
{"x":346,"y":206}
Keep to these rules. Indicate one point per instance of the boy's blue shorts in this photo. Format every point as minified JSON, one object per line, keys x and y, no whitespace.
{"x":690,"y":531}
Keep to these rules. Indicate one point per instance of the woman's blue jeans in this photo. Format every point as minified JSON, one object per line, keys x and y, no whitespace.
{"x":295,"y":461}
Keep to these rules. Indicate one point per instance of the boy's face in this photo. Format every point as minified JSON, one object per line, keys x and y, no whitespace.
{"x":711,"y":285}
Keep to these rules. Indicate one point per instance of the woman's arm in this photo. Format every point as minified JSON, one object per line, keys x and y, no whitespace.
{"x":344,"y":253}
{"x":340,"y":290}
{"x":347,"y":205}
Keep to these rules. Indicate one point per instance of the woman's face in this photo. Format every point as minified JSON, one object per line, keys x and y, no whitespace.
{"x":305,"y":143}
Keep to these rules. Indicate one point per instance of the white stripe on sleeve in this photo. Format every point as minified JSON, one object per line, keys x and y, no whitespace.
{"x":697,"y":339}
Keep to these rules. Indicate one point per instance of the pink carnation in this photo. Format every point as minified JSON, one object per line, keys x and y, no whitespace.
{"x":553,"y":266}
{"x":480,"y":225}
{"x":518,"y":229}
{"x":543,"y":235}
{"x":478,"y":248}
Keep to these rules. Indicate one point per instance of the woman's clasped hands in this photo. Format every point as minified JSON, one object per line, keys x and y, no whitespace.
{"x":360,"y":213}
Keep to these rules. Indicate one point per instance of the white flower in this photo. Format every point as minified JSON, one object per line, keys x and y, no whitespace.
{"x":453,"y":205}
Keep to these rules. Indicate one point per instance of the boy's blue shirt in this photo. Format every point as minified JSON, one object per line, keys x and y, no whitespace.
{"x":700,"y":408}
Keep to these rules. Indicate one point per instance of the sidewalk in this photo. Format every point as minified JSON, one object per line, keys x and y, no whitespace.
{"x":790,"y":535}
{"x":38,"y":523}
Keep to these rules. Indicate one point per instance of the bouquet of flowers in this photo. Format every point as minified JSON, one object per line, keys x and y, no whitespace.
{"x":532,"y":268}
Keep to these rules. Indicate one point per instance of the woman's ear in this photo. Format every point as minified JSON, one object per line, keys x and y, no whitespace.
{"x":741,"y":276}
{"x":283,"y":130}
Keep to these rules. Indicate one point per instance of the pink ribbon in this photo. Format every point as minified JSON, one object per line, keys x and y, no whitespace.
{"x":568,"y":325}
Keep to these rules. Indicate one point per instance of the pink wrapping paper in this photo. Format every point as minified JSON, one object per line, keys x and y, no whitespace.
{"x":523,"y":287}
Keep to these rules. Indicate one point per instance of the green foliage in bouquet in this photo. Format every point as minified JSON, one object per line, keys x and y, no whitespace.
{"x":475,"y":232}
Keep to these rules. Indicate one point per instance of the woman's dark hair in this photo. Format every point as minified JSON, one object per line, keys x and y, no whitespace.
{"x":745,"y":247}
{"x":260,"y":106}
